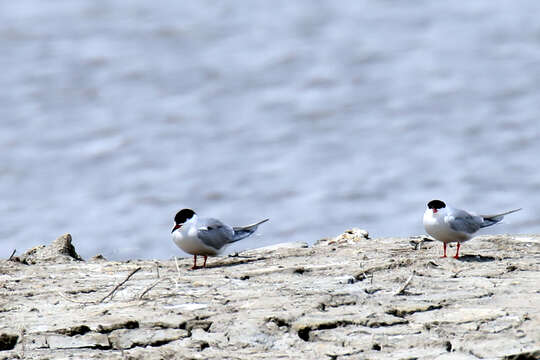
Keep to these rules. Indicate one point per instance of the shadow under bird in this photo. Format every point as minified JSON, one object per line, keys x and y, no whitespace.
{"x":447,"y":224}
{"x":206,"y":237}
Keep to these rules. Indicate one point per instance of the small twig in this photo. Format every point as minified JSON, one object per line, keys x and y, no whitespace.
{"x":106,"y":296}
{"x":391,"y":265}
{"x":150,"y":288}
{"x":157,"y":270}
{"x":175,"y":283}
{"x":177,"y":267}
{"x":76,"y":301}
{"x":111,"y":294}
{"x":371,"y":281}
{"x":22,"y":341}
{"x":13,"y":253}
{"x":402,"y":288}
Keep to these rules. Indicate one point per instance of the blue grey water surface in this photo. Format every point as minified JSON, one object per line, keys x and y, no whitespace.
{"x":321,"y":115}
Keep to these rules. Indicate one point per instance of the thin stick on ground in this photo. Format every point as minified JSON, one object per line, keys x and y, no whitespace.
{"x":111,"y":294}
{"x":76,"y":301}
{"x":150,"y":288}
{"x":455,"y":275}
{"x":175,"y":283}
{"x":103,"y":299}
{"x":13,"y":253}
{"x":401,"y":290}
{"x":177,"y":267}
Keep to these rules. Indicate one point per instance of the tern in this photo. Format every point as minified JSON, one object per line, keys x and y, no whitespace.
{"x":448,"y":224}
{"x":206,"y":237}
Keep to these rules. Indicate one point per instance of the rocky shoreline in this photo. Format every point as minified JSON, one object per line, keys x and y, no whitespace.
{"x":349,"y":297}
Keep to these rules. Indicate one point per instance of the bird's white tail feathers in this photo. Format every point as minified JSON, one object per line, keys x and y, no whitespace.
{"x":493,"y":219}
{"x":242,"y":232}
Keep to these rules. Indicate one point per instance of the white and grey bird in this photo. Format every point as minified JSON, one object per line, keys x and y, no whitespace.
{"x":206,"y":237}
{"x":447,"y":224}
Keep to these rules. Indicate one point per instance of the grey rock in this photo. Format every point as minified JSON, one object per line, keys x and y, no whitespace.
{"x":127,"y":339}
{"x":526,"y":355}
{"x":8,"y":341}
{"x":35,"y":341}
{"x":98,"y":257}
{"x":89,"y":340}
{"x":61,"y":250}
{"x":348,"y":237}
{"x":288,"y":302}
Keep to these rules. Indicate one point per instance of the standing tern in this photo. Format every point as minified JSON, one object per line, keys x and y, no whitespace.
{"x":447,"y":224}
{"x":206,"y":237}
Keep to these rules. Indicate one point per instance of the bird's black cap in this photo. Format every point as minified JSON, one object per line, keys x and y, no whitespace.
{"x":183,"y":215}
{"x":436,"y":204}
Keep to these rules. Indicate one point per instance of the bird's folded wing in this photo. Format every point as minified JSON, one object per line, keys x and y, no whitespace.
{"x":214,"y":233}
{"x":464,"y":222}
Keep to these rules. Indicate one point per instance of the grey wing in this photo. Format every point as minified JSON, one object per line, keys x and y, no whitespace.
{"x":460,"y":220}
{"x":214,"y":233}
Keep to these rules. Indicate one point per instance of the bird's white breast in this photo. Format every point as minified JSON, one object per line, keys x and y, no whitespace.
{"x":437,"y":227}
{"x":186,"y":239}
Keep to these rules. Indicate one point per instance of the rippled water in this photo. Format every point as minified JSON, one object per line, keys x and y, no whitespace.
{"x":320,"y":115}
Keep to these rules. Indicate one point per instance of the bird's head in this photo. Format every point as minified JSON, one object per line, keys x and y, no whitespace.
{"x":436,"y":205}
{"x":181,"y":217}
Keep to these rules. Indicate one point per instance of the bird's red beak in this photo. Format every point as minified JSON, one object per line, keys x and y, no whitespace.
{"x":434,"y":211}
{"x":176,"y":227}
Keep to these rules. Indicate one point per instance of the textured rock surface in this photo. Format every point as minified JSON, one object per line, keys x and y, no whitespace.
{"x":343,"y":298}
{"x":61,"y":250}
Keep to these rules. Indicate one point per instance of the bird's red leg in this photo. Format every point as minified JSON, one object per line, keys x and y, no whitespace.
{"x":194,"y":262}
{"x":444,"y":247}
{"x":457,"y":251}
{"x":205,"y":257}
